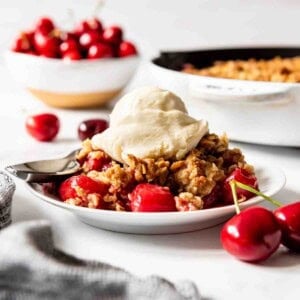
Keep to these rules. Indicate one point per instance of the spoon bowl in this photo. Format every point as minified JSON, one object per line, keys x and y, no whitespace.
{"x":46,"y":170}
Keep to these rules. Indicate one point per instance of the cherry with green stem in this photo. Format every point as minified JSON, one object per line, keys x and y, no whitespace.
{"x":253,"y":234}
{"x":288,"y":217}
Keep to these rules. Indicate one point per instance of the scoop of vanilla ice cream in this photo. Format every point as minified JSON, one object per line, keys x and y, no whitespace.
{"x":150,"y":123}
{"x":145,"y":98}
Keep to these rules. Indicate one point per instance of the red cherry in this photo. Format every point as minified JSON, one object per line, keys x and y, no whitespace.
{"x":252,"y":235}
{"x":92,"y":24}
{"x":82,"y":27}
{"x":148,"y":197}
{"x":100,"y":50}
{"x":92,"y":163}
{"x":95,"y":24}
{"x":30,"y":36}
{"x":113,"y":35}
{"x":21,"y":43}
{"x":43,"y":127}
{"x":46,"y":45}
{"x":88,"y":128}
{"x":69,"y":45}
{"x":49,"y":188}
{"x":126,"y":49}
{"x":288,"y":217}
{"x":240,"y":175}
{"x":72,"y":55}
{"x":69,"y":188}
{"x":65,"y":36}
{"x":45,"y":25}
{"x":87,"y":39}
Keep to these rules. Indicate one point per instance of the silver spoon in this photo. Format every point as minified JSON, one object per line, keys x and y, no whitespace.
{"x":46,"y":170}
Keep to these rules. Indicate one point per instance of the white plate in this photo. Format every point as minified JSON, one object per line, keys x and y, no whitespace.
{"x":271,"y":180}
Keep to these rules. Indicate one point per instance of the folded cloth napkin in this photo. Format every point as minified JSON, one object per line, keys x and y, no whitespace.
{"x":7,"y":188}
{"x":32,"y":268}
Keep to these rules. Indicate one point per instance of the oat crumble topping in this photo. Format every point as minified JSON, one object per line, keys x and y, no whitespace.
{"x":277,"y":69}
{"x":190,"y":179}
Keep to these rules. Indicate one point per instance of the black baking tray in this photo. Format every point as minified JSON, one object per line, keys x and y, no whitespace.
{"x":175,"y":60}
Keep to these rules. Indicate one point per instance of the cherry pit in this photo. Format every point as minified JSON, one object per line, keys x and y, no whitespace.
{"x":89,"y":40}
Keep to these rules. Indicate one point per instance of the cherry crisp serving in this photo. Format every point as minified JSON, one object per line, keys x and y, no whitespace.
{"x":198,"y":181}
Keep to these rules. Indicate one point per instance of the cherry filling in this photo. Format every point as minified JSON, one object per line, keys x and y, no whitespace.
{"x":99,"y":163}
{"x":83,"y":189}
{"x":240,"y":175}
{"x":148,"y":197}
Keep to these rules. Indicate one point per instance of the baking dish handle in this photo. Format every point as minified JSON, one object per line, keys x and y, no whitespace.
{"x":240,"y":93}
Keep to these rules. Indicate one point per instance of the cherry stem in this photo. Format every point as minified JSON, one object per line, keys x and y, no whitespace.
{"x":98,"y":7}
{"x":256,"y":192}
{"x":233,"y":184}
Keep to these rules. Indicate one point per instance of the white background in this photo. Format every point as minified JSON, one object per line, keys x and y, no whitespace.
{"x":156,"y":25}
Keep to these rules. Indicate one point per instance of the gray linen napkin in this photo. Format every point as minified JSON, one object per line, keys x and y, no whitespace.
{"x":32,"y":268}
{"x":7,"y":188}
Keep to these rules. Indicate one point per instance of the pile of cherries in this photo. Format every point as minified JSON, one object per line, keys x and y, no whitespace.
{"x":88,"y":40}
{"x":255,"y":233}
{"x":45,"y":127}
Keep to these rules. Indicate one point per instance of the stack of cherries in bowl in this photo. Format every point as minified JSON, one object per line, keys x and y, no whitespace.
{"x":88,"y":40}
{"x":82,"y":68}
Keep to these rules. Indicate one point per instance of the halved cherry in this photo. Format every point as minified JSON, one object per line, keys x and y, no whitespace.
{"x":148,"y":197}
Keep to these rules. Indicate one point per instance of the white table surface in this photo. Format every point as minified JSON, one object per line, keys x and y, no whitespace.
{"x":197,"y":256}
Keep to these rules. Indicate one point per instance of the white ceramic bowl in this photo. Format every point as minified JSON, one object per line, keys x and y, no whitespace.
{"x":249,"y":111}
{"x":271,"y":180}
{"x":71,"y":84}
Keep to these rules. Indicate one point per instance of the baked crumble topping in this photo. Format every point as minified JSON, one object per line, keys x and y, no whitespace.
{"x":277,"y":69}
{"x":190,"y":180}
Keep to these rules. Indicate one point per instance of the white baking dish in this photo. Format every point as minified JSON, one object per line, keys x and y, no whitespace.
{"x":248,"y":111}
